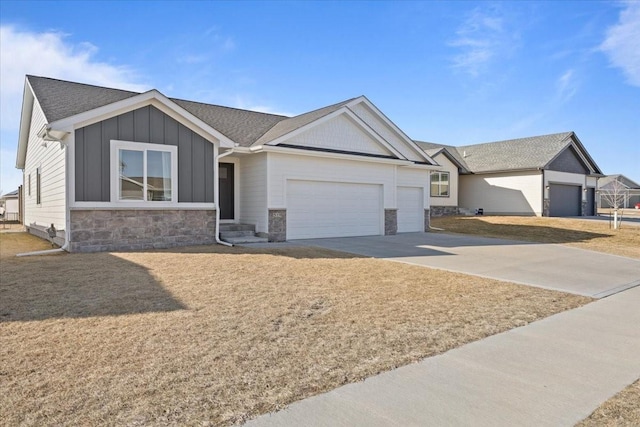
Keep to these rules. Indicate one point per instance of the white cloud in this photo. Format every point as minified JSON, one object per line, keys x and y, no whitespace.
{"x":480,"y":39}
{"x":244,"y":104}
{"x":566,"y":86}
{"x":622,"y":42}
{"x":47,"y":54}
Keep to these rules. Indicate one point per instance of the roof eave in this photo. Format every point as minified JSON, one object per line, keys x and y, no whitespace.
{"x":28,"y":99}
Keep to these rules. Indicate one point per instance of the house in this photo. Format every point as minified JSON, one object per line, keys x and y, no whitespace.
{"x":618,"y":189}
{"x":118,"y":170}
{"x":10,"y":204}
{"x":548,"y":175}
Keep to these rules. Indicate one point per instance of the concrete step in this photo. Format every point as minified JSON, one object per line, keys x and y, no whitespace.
{"x":238,"y":227}
{"x":238,"y":233}
{"x":246,"y":239}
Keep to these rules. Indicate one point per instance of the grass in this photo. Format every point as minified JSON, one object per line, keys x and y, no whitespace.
{"x":584,"y":234}
{"x":216,"y":335}
{"x":621,"y":410}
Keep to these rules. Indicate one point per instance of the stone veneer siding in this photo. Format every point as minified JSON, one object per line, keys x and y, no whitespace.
{"x":427,"y":220}
{"x":390,"y":222}
{"x":546,"y":203}
{"x":133,"y":229}
{"x":584,"y":208}
{"x":277,"y":225}
{"x":437,"y":211}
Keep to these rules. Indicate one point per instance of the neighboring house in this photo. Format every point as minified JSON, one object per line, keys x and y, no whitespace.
{"x":119,"y":170}
{"x":612,"y":187}
{"x":549,"y":175}
{"x":11,"y":206}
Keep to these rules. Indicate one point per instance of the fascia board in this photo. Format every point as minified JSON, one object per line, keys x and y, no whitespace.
{"x":388,"y":122}
{"x":28,"y":99}
{"x":152,"y":97}
{"x":302,"y":152}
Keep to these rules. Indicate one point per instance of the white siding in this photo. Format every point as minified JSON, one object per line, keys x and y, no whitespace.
{"x":447,"y":166}
{"x":516,"y":193}
{"x":390,"y":135}
{"x":339,"y":133}
{"x":253,"y":191}
{"x":554,"y":177}
{"x":51,"y":161}
{"x":11,"y":207}
{"x":283,"y":167}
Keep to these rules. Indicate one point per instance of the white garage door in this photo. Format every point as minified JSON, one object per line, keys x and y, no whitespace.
{"x":410,"y":209}
{"x":333,"y":209}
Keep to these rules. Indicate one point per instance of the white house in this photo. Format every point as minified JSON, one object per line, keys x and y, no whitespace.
{"x":118,"y":170}
{"x":10,"y":204}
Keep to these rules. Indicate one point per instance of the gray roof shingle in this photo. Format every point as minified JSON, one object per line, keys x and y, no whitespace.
{"x":515,"y":154}
{"x":241,"y":126}
{"x":59,"y":99}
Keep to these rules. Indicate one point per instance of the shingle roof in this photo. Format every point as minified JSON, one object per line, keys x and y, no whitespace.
{"x":515,"y":154}
{"x":241,"y":126}
{"x":607,"y":181}
{"x":59,"y":99}
{"x":432,"y":149}
{"x":293,"y":123}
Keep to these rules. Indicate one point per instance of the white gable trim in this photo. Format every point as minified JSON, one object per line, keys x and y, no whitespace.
{"x":390,"y":124}
{"x":342,"y":111}
{"x":152,"y":97}
{"x":28,"y":100}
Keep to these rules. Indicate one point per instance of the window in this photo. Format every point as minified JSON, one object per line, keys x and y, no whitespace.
{"x":143,"y":172}
{"x":29,"y":185}
{"x":440,"y":184}
{"x":38,"y":195}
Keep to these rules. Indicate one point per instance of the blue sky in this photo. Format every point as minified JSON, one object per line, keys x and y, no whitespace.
{"x":450,"y":72}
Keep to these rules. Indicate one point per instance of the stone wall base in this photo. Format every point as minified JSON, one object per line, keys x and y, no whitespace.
{"x":390,"y":222}
{"x":427,"y":220}
{"x":277,"y":225}
{"x":583,"y":208}
{"x":131,"y":230}
{"x":546,"y":203}
{"x":438,"y":211}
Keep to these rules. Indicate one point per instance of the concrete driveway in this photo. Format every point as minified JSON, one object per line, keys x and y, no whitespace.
{"x":549,"y":266}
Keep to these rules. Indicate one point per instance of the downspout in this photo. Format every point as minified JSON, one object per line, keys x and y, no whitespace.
{"x":216,"y":189}
{"x":67,"y":221}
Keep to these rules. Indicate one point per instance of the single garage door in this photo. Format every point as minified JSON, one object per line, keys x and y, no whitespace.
{"x":565,"y":200}
{"x":333,"y":209}
{"x":410,"y":209}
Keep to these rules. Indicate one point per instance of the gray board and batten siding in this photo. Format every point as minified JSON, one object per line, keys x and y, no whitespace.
{"x":568,"y":161}
{"x":150,"y":125}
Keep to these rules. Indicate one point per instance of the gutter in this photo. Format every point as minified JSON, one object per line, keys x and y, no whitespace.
{"x":216,"y":189}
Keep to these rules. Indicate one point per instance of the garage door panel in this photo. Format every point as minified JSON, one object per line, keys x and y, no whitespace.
{"x":410,"y":209}
{"x":565,"y":200}
{"x":332,"y":209}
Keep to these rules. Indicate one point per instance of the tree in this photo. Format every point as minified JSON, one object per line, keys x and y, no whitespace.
{"x":614,"y":195}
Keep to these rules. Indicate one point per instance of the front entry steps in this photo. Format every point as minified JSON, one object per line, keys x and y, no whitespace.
{"x":240,"y":233}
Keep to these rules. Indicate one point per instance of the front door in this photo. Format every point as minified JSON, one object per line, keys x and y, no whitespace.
{"x":225,"y":179}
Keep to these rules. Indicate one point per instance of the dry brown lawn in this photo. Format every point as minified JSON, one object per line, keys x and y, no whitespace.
{"x":623,"y":409}
{"x":585,"y":234}
{"x":216,"y":335}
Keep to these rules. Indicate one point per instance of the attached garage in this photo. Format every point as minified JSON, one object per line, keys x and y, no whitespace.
{"x":565,"y":200}
{"x":410,"y":209}
{"x":318,"y":209}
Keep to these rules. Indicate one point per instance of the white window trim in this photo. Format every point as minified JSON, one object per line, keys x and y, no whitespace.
{"x":440,"y":173}
{"x":117,"y":145}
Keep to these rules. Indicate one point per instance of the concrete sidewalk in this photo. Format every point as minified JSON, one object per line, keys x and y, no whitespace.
{"x":553,"y":372}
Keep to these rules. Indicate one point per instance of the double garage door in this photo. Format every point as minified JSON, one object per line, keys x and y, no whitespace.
{"x":318,"y":209}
